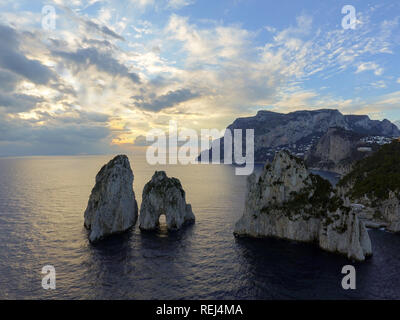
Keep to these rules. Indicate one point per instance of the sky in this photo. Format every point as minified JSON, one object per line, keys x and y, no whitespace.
{"x":100,"y":75}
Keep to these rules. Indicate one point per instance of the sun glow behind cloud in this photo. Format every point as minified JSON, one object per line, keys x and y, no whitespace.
{"x":111,"y":71}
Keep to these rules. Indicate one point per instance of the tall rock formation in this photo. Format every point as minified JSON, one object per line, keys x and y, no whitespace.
{"x":286,"y":201}
{"x":163,"y":195}
{"x":112,"y":207}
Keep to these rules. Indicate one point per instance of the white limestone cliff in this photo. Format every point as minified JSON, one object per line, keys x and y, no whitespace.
{"x":288,"y":202}
{"x":112,"y":207}
{"x":163,"y":195}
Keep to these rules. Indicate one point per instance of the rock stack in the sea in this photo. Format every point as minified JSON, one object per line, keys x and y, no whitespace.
{"x":288,"y":202}
{"x":163,"y":195}
{"x":112,"y":207}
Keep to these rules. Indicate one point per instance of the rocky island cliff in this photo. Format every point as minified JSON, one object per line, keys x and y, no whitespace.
{"x":286,"y":201}
{"x":300,"y":130}
{"x":112,"y":207}
{"x":164,"y":196}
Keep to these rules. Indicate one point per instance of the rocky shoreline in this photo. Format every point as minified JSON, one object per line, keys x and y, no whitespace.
{"x":286,"y":201}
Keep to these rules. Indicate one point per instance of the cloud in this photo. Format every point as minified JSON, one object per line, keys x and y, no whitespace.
{"x":25,"y":137}
{"x":8,"y":80}
{"x":102,"y":30}
{"x":76,"y":117}
{"x":372,"y":66}
{"x":11,"y":101}
{"x":81,"y":88}
{"x":84,"y":57}
{"x":379,"y":84}
{"x":140,"y":141}
{"x":12,"y":59}
{"x":377,"y":107}
{"x":70,"y":134}
{"x":167,"y":100}
{"x":208,"y":46}
{"x":296,"y":100}
{"x":15,"y":103}
{"x":178,"y":4}
{"x":143,"y":3}
{"x":91,"y":25}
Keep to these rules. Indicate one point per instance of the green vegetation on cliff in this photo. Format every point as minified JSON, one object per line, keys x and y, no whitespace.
{"x":376,"y":175}
{"x":316,"y":200}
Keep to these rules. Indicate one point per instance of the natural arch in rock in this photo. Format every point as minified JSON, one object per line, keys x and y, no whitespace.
{"x":164,"y":196}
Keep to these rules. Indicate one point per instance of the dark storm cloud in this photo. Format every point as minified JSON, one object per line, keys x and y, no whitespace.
{"x":168,"y":100}
{"x":13,"y":60}
{"x":103,"y":61}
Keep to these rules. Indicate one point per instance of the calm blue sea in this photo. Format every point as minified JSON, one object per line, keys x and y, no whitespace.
{"x":42,"y":200}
